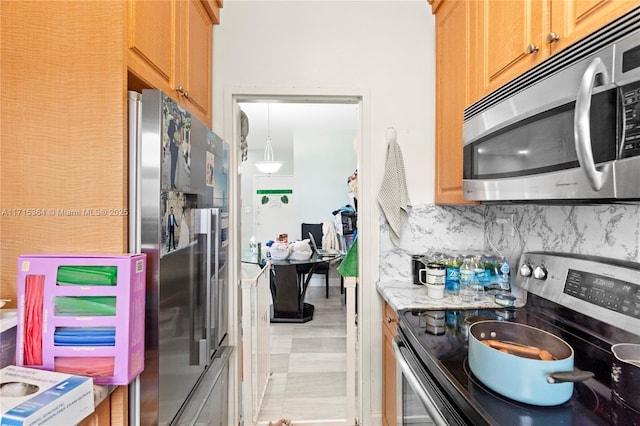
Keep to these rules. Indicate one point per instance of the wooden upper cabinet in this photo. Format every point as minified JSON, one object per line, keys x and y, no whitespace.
{"x":170,"y":48}
{"x":515,"y":35}
{"x":511,"y":38}
{"x":483,"y":44}
{"x":195,"y":62}
{"x":64,"y":130}
{"x":151,"y":42}
{"x":572,"y":20}
{"x":454,"y":26}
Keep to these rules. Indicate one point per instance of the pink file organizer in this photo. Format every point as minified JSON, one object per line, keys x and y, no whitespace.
{"x":114,"y":363}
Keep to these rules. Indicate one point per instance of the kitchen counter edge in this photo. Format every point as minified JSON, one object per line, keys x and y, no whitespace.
{"x":404,"y":295}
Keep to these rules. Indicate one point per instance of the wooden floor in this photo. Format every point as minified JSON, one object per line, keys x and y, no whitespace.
{"x":309,"y":363}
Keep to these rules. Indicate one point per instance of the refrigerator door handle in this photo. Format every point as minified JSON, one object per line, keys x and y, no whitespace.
{"x":205,"y":221}
{"x":135,"y":142}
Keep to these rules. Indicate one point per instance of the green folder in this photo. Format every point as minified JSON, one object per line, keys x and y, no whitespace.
{"x":87,"y":275}
{"x":85,"y":305}
{"x":349,"y":265}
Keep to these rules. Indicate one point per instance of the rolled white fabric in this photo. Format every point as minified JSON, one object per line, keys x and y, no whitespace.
{"x":329,"y":236}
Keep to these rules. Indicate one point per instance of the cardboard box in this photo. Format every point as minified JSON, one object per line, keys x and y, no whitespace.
{"x":8,"y":323}
{"x":51,"y":398}
{"x":125,"y":353}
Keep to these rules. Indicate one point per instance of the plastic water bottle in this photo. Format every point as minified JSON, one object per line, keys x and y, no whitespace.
{"x":482,"y":267}
{"x":467,"y":280}
{"x":481,"y":278}
{"x":504,"y":275}
{"x":452,"y":281}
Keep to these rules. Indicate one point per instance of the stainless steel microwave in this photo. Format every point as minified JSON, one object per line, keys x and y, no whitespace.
{"x":568,"y":129}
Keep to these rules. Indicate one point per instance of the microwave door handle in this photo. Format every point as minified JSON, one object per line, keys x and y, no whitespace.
{"x":582,"y":127}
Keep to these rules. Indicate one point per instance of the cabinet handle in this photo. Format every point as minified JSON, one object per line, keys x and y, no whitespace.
{"x":532,"y":48}
{"x":390,"y":320}
{"x":552,"y":37}
{"x":180,"y":89}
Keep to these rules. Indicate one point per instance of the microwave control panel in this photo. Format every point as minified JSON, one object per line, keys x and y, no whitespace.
{"x":631,"y":105}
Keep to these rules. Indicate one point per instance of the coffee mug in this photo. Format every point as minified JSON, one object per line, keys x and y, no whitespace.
{"x":418,"y":265}
{"x":422,"y":276}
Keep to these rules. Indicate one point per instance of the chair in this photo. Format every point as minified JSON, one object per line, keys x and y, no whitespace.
{"x":322,"y":268}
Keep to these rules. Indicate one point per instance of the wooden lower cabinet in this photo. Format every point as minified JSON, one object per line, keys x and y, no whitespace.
{"x":113,"y":411}
{"x":389,"y":397}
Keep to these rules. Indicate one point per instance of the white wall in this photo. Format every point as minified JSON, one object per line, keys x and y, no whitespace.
{"x":249,"y":172}
{"x":383,"y":48}
{"x":323,"y":161}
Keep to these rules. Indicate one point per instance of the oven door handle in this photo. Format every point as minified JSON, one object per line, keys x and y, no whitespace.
{"x":410,"y":376}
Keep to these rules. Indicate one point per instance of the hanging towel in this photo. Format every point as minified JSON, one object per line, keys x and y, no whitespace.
{"x":329,"y":236}
{"x":393,"y":196}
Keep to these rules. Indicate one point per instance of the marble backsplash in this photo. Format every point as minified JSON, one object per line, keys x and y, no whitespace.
{"x":609,"y":230}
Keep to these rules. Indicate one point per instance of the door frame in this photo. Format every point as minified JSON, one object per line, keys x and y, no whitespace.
{"x":366,"y":221}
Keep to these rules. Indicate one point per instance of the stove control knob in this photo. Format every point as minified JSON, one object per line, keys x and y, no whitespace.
{"x":525,"y":270}
{"x":540,"y":273}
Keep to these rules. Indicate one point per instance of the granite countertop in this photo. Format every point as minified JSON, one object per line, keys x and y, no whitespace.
{"x":406,"y":295}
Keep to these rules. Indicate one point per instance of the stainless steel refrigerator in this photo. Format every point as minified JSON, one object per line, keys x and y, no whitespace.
{"x":179,"y":218}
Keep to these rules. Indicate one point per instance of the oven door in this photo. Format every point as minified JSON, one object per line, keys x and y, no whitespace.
{"x":415,"y":406}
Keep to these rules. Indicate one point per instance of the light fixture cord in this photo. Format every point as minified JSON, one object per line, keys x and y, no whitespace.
{"x":268,"y":151}
{"x":268,"y":122}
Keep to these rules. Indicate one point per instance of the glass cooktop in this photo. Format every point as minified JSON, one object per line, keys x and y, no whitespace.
{"x":440,"y":340}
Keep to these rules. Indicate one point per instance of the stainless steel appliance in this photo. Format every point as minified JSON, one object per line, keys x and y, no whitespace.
{"x":591,"y":303}
{"x":179,"y":217}
{"x":568,"y":129}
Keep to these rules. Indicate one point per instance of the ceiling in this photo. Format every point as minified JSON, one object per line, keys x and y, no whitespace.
{"x":285,"y":117}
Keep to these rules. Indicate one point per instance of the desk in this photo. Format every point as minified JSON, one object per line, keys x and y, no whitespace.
{"x":288,"y":292}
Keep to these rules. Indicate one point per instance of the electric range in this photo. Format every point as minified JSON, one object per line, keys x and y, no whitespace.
{"x":591,"y":303}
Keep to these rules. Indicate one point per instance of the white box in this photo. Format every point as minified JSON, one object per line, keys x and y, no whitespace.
{"x":53,"y":398}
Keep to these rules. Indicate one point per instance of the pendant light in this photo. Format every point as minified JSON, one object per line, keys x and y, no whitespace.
{"x":268,"y":165}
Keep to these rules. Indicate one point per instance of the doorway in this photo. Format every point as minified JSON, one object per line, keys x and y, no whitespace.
{"x":315,"y":144}
{"x":247,"y":173}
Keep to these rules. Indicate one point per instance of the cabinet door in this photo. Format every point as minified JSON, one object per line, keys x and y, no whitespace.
{"x":64,"y":139}
{"x":101,"y":415}
{"x":389,"y":331}
{"x":511,"y":37}
{"x":572,"y":20}
{"x":151,"y":42}
{"x":195,"y":59}
{"x":452,"y":89}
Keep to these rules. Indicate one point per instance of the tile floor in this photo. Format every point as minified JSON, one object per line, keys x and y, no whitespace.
{"x":308,"y":362}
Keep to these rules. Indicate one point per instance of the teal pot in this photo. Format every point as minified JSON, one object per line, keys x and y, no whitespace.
{"x":519,"y":377}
